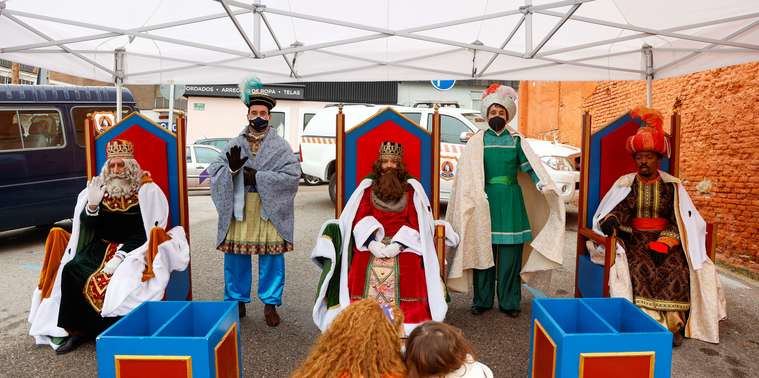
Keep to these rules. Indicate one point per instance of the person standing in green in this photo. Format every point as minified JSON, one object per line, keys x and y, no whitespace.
{"x":504,"y":157}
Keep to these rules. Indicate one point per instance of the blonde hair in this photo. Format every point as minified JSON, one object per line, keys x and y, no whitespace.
{"x":360,"y":342}
{"x":434,"y":349}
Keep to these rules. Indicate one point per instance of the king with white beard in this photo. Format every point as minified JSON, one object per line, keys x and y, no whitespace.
{"x":107,"y":266}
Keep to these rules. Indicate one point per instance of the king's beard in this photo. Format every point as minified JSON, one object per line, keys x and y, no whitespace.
{"x":390,"y":186}
{"x":121,"y":185}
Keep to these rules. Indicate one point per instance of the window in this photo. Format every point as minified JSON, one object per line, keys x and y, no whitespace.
{"x":10,"y":131}
{"x":205,"y":155}
{"x":79,"y":113}
{"x":307,"y":118}
{"x":187,"y":155}
{"x":416,"y":117}
{"x":450,"y":129}
{"x":30,"y":129}
{"x":277,"y":121}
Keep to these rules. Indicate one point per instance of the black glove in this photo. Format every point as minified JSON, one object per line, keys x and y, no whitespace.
{"x":233,"y":157}
{"x":249,"y":176}
{"x":609,"y":225}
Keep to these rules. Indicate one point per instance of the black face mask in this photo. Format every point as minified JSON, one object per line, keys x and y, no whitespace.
{"x":258,"y":123}
{"x":497,"y":123}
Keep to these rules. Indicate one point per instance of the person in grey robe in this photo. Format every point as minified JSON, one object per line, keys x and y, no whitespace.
{"x":253,"y":187}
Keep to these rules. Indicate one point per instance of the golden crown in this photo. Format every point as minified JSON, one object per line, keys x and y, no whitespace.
{"x":119,"y":148}
{"x":391,"y":150}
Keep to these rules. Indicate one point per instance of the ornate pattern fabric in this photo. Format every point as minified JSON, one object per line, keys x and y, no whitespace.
{"x":659,"y":281}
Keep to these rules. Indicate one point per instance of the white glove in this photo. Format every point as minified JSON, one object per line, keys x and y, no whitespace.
{"x":95,"y":191}
{"x":376,"y":248}
{"x":391,"y":250}
{"x":112,"y":264}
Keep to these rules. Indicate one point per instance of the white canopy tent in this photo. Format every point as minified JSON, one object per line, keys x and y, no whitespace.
{"x":223,"y":41}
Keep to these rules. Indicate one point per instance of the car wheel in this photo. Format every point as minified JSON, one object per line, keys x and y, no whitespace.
{"x":311,"y":180}
{"x":333,"y":188}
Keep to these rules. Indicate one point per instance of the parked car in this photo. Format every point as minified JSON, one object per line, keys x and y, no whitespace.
{"x":219,"y":143}
{"x":457,"y":125}
{"x":42,"y":149}
{"x":199,"y":156}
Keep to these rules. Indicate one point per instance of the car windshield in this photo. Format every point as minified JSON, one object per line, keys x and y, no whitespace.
{"x":477,"y":119}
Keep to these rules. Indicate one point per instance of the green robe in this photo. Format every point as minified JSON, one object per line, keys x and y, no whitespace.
{"x":503,"y":159}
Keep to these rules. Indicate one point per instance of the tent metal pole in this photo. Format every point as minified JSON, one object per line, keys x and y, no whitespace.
{"x":118,"y":77}
{"x":553,"y":31}
{"x":382,"y":63}
{"x":171,"y":107}
{"x":112,"y":32}
{"x":648,"y":58}
{"x":239,"y":28}
{"x":68,"y":50}
{"x":527,"y":26}
{"x":256,"y":22}
{"x":710,"y":47}
{"x":379,"y":64}
{"x":276,"y":42}
{"x":190,"y":66}
{"x":641,"y":35}
{"x":573,"y":62}
{"x":651,"y":31}
{"x":503,"y":45}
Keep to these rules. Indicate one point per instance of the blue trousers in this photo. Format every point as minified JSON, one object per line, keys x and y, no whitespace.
{"x":238,"y":278}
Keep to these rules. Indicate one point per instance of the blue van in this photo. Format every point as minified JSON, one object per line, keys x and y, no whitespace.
{"x":42,"y":152}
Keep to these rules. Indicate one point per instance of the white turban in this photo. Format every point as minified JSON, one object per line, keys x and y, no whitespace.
{"x":501,"y":95}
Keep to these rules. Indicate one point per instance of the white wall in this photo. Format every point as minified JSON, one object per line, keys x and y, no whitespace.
{"x":225,"y":117}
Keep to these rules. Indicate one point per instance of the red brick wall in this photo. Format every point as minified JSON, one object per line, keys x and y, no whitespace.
{"x":720,"y":142}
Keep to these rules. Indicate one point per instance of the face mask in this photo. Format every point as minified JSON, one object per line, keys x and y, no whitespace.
{"x":497,"y":123}
{"x":258,"y":123}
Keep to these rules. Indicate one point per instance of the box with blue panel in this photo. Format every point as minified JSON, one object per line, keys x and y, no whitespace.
{"x":596,"y":337}
{"x":173,"y":339}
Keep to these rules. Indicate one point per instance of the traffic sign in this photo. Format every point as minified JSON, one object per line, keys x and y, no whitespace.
{"x":443,"y":85}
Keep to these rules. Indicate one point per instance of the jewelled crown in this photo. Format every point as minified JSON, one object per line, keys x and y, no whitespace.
{"x":119,"y":148}
{"x":391,"y":150}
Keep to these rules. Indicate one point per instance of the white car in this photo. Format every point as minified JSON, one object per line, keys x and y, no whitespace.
{"x":199,"y":156}
{"x":317,"y":146}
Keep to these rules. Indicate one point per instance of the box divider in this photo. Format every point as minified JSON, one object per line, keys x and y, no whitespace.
{"x":168,"y":321}
{"x":590,"y":308}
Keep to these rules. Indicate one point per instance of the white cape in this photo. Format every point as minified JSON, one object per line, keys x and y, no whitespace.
{"x":324,"y":249}
{"x":469,"y":214}
{"x":126,"y":289}
{"x":707,"y":300}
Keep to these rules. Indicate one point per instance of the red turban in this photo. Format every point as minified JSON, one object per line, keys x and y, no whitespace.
{"x":650,"y":136}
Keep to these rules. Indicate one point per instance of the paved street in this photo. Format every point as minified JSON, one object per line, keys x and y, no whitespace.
{"x":502,"y":342}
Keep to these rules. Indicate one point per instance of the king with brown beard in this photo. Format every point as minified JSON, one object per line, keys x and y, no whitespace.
{"x":392,"y":258}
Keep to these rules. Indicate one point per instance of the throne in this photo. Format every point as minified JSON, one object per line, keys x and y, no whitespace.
{"x":604,"y":160}
{"x":160,"y":152}
{"x":357,"y":151}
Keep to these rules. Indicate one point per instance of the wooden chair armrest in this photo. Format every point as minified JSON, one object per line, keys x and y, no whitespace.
{"x":590,"y":234}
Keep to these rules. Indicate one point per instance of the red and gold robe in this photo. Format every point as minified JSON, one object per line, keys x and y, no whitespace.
{"x":401,"y":277}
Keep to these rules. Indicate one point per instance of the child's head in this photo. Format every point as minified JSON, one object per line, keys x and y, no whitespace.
{"x":436,"y":348}
{"x":362,"y":341}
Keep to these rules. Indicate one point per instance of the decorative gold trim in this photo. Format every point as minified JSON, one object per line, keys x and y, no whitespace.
{"x":382,"y":110}
{"x":119,"y":357}
{"x":661,"y":305}
{"x":583,"y":356}
{"x":534,"y":344}
{"x":339,"y":161}
{"x":89,"y":142}
{"x":135,"y":114}
{"x":232,"y":329}
{"x":436,"y":122}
